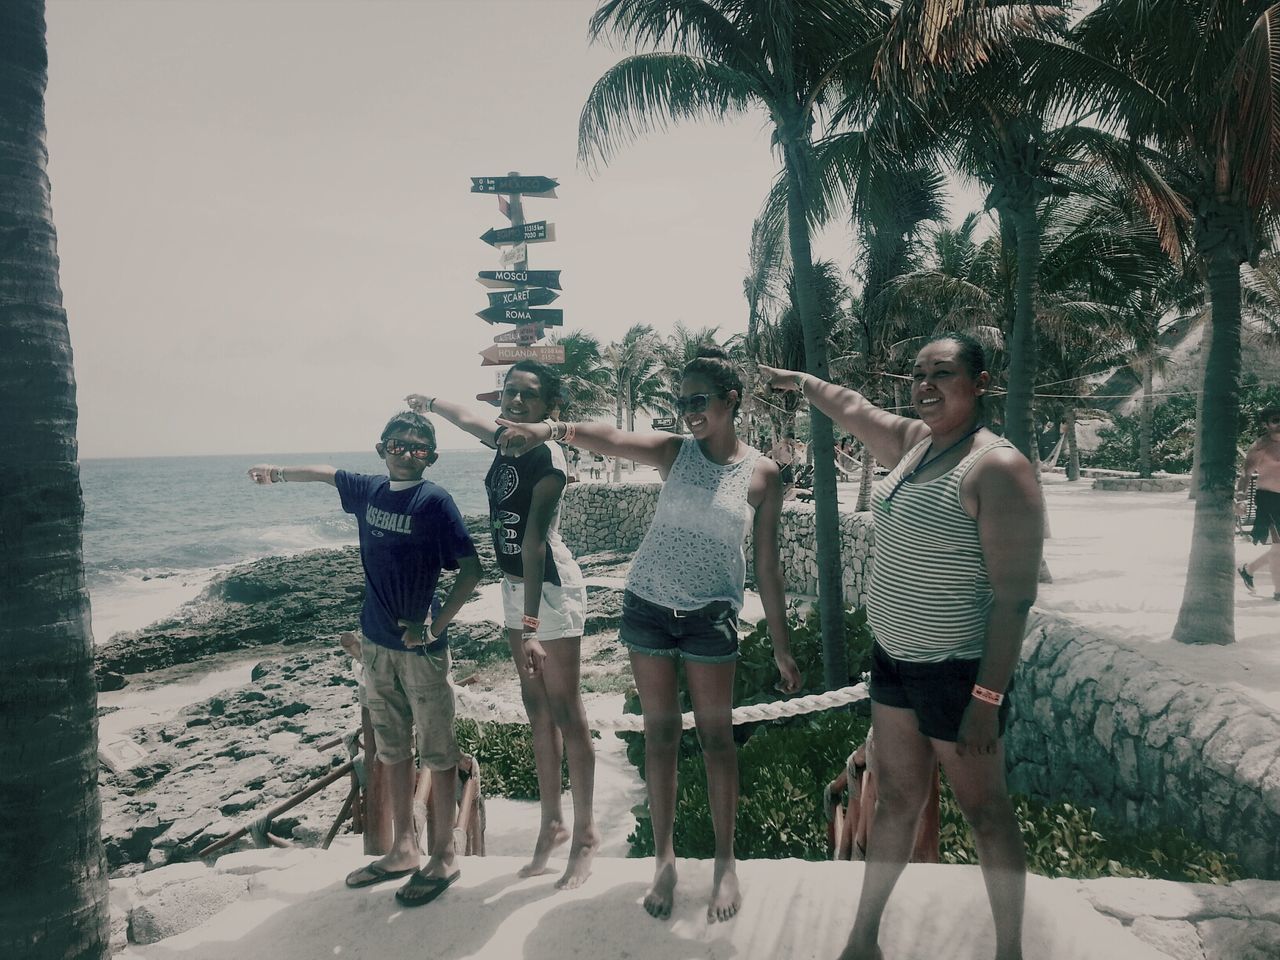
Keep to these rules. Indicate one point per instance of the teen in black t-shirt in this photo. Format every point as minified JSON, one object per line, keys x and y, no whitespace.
{"x":544,"y":606}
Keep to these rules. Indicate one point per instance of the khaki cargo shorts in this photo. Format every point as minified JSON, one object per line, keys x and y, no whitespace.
{"x":408,"y":692}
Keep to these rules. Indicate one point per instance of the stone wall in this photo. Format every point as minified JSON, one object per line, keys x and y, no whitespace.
{"x":1150,"y":748}
{"x":1158,"y":484}
{"x":615,"y":516}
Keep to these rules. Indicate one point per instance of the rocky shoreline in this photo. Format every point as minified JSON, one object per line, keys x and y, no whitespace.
{"x":178,"y":786}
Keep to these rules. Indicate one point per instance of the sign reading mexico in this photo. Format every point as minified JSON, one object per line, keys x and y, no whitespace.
{"x":529,"y":186}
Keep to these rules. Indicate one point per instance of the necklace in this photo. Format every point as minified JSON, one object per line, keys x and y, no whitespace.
{"x":924,"y":462}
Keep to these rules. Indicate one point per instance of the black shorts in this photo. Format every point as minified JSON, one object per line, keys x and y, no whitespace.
{"x":1267,"y":515}
{"x":706,"y":635}
{"x":938,"y":693}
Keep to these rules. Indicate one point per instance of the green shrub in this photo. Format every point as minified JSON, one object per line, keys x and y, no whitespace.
{"x":756,"y":674}
{"x":780,"y":809}
{"x":1063,"y":841}
{"x":505,"y":752}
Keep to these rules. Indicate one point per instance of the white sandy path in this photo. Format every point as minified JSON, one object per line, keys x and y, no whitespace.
{"x":792,"y":910}
{"x":1119,"y":563}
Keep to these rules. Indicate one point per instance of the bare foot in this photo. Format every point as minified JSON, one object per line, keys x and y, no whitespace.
{"x":549,"y":837}
{"x":663,"y":891}
{"x":726,"y":898}
{"x":580,"y":856}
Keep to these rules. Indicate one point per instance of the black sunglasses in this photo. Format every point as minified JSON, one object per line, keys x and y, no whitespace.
{"x":694,"y":404}
{"x":419,"y":451}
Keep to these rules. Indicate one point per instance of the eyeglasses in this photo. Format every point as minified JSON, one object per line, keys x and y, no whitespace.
{"x":419,"y":451}
{"x":694,"y":404}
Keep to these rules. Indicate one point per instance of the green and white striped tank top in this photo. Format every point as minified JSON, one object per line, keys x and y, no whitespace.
{"x":929,"y":593}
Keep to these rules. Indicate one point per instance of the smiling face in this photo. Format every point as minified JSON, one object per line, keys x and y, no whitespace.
{"x":522,"y":397}
{"x":943,"y":391}
{"x":407,"y":463}
{"x":705,"y":411}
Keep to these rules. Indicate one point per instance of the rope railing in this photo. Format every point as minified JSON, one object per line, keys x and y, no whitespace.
{"x":489,"y":710}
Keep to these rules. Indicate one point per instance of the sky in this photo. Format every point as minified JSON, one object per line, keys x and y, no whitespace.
{"x":265,"y":224}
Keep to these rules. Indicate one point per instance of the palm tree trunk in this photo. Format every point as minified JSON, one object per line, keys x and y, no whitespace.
{"x":617,"y":410}
{"x":1207,"y":614}
{"x":1194,"y":492}
{"x":1019,"y":415}
{"x":1073,"y":449}
{"x":866,"y":481}
{"x":55,"y":899}
{"x":797,"y":154}
{"x":631,"y":427}
{"x":1145,"y":419}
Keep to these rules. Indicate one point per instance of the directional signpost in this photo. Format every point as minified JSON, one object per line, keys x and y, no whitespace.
{"x":523,"y":297}
{"x":503,"y":354}
{"x":521,"y":291}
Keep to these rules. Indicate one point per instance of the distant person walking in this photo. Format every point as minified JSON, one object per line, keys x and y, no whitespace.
{"x":544,"y":605}
{"x":683,"y":594}
{"x":958,"y":534}
{"x":1263,"y":459}
{"x":410,"y":530}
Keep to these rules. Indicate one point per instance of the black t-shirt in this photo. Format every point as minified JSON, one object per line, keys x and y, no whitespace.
{"x":509,"y":483}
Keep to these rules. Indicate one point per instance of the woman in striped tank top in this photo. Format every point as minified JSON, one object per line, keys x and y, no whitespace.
{"x":958,"y":534}
{"x":684,"y":591}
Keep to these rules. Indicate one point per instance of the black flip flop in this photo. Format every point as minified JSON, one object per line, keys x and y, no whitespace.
{"x":421,"y":889}
{"x":377,"y":874}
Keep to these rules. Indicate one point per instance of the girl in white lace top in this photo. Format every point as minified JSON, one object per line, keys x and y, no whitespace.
{"x":684,"y":593}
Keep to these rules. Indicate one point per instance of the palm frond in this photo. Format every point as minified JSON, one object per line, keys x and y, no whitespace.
{"x":649,"y":91}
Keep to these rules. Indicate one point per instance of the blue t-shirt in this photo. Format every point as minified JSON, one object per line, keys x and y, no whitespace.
{"x":406,"y":538}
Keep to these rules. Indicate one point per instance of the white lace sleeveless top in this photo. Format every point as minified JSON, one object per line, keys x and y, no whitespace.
{"x":694,"y":551}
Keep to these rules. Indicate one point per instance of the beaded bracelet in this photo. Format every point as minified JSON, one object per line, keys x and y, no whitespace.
{"x":987,"y":696}
{"x":279,"y":476}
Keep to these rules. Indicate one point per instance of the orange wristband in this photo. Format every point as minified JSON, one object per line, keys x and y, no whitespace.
{"x":530,"y":623}
{"x":987,"y":696}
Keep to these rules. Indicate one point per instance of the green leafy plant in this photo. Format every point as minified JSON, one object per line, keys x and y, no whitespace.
{"x":505,"y":752}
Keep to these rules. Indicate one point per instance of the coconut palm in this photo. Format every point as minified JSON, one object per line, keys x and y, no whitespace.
{"x":55,"y":899}
{"x":633,"y":364}
{"x":1196,"y":93}
{"x":710,"y":59}
{"x":585,"y":376}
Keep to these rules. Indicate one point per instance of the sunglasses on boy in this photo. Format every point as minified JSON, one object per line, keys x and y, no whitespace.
{"x":419,"y":451}
{"x":694,"y":404}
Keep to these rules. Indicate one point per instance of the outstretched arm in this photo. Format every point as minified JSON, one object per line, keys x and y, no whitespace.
{"x":264,"y":473}
{"x":652,"y":449}
{"x":888,"y":435}
{"x":464,"y":417}
{"x":769,"y":575}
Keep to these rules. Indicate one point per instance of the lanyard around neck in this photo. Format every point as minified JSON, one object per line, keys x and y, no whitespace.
{"x":924,"y":462}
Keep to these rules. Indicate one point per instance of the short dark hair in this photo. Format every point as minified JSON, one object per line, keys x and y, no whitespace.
{"x":410,"y":422}
{"x":972,"y":354}
{"x":549,"y":382}
{"x":713,"y":365}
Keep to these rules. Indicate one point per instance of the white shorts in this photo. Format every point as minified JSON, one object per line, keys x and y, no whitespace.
{"x":562,"y":613}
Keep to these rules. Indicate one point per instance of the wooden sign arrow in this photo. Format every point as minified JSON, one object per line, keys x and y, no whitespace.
{"x":523,"y":297}
{"x":526,"y":333}
{"x":500,"y":354}
{"x":515,"y":278}
{"x":548,"y":318}
{"x":493,"y":396}
{"x":533,"y":186}
{"x":538,"y":231}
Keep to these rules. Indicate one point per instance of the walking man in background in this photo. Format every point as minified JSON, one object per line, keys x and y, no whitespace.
{"x":1263,"y":459}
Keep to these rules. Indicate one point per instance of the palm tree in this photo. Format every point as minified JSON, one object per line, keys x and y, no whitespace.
{"x":632,"y":363}
{"x":726,"y":57}
{"x":585,"y":376}
{"x":55,"y":900}
{"x":1197,"y":99}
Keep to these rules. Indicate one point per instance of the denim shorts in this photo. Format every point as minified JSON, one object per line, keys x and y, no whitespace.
{"x":938,"y":693}
{"x":706,"y":635}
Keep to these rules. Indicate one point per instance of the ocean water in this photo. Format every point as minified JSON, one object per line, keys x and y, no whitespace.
{"x":157,"y":529}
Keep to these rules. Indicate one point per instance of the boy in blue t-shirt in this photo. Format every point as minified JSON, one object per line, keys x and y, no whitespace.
{"x":410,"y":530}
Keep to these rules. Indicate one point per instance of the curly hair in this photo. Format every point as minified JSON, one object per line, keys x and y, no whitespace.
{"x":712,"y":364}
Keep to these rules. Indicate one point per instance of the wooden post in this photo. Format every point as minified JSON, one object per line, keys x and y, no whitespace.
{"x":378,"y":832}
